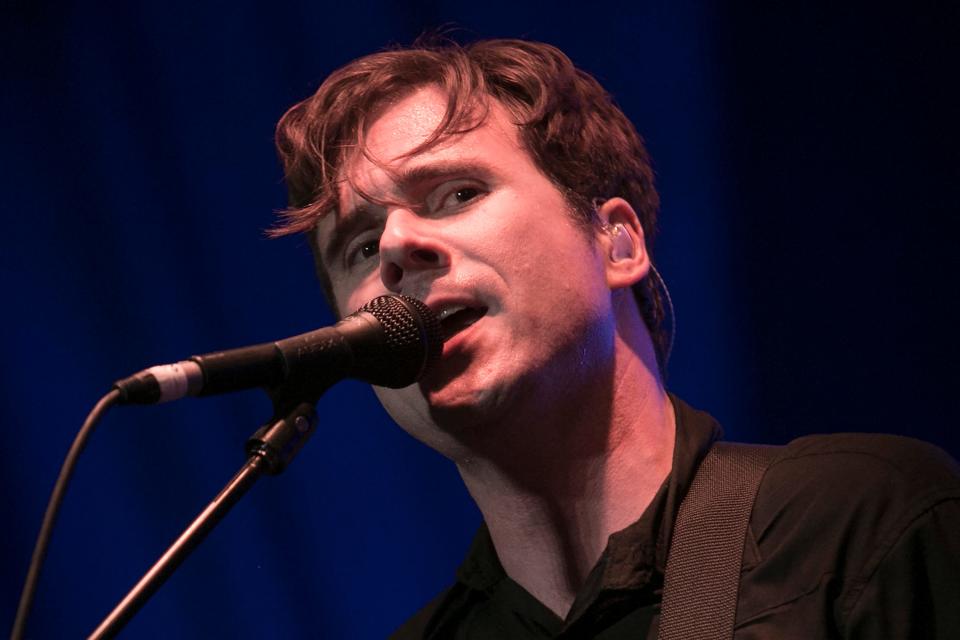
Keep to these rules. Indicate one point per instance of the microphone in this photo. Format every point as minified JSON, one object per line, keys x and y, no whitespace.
{"x":391,"y":342}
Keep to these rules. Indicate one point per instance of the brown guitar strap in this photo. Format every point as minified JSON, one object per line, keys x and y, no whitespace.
{"x":703,"y":566}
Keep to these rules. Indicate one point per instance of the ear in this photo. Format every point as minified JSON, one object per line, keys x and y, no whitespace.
{"x":621,"y":240}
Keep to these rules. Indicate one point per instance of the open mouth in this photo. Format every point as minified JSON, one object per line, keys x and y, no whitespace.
{"x":453,"y":320}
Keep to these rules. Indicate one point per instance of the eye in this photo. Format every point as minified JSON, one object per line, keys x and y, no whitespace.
{"x":465,"y":194}
{"x":454,"y":195}
{"x":362,"y":250}
{"x":369,"y":249}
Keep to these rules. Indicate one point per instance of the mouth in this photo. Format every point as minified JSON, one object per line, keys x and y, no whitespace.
{"x":455,"y":319}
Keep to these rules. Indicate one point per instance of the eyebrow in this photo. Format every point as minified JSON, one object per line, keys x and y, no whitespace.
{"x":407,"y":181}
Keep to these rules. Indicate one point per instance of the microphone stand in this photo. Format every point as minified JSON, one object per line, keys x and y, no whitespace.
{"x":269,"y":450}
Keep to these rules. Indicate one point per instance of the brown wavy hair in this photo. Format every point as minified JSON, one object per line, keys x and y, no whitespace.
{"x":567,"y":122}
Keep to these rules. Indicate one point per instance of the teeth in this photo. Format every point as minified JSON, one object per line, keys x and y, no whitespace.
{"x":449,"y":311}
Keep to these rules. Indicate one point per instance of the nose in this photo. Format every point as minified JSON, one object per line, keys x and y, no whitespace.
{"x":409,"y":248}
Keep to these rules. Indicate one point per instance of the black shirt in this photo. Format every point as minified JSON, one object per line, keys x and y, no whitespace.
{"x":851,"y":536}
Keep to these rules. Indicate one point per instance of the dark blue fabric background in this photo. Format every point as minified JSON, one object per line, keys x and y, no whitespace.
{"x":808,"y":162}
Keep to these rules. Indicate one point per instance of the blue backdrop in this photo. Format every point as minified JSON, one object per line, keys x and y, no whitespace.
{"x":808,"y":162}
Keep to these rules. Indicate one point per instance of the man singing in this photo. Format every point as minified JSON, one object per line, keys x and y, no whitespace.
{"x":501,"y":185}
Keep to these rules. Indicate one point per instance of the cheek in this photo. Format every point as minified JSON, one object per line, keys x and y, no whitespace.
{"x":350,"y":297}
{"x":351,"y":304}
{"x":407,"y":407}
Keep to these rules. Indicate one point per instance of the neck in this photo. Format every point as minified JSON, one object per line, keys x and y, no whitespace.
{"x":553,"y":493}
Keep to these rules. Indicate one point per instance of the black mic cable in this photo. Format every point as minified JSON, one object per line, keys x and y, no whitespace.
{"x":391,"y":341}
{"x":53,"y":508}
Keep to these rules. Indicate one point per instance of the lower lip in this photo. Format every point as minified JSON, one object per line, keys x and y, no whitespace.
{"x":456,"y":341}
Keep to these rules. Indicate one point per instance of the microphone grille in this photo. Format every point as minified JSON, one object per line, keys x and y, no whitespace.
{"x":413,"y":339}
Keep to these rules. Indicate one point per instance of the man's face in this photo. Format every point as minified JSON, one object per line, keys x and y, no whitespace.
{"x":474,"y":229}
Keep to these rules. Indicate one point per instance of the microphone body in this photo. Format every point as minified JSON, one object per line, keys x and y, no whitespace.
{"x":389,"y":342}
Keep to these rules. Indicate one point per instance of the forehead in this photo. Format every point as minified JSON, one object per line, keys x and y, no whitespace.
{"x":408,"y":119}
{"x":401,"y":126}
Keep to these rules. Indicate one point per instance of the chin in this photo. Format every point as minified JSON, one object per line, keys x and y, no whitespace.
{"x":447,"y":430}
{"x":445,"y":418}
{"x":456,"y":409}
